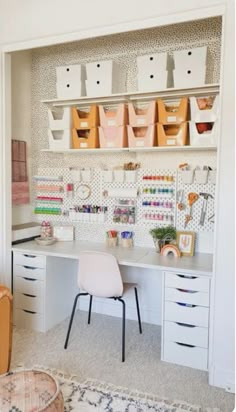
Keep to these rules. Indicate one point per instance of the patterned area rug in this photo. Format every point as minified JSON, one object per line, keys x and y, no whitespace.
{"x":94,"y":396}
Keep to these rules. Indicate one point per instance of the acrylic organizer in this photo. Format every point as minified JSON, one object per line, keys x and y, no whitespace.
{"x":85,"y":139}
{"x":113,"y":117}
{"x":113,"y":137}
{"x":172,"y":135}
{"x":173,"y":113}
{"x":142,"y":136}
{"x":207,"y":138}
{"x":144,"y":115}
{"x":85,"y":120}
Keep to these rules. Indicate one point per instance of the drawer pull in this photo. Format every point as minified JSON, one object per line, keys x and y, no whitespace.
{"x":29,"y":267}
{"x":185,"y":344}
{"x":187,"y":277}
{"x":185,"y":325}
{"x":187,"y":305}
{"x":31,"y":256}
{"x":29,"y":311}
{"x":32,"y":280}
{"x":187,"y":290}
{"x":29,"y":296}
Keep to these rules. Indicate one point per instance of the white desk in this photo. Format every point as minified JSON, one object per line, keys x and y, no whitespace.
{"x":45,"y":283}
{"x":141,"y":257}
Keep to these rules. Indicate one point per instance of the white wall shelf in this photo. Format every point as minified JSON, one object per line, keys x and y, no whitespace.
{"x":135,"y":149}
{"x":136,"y":96}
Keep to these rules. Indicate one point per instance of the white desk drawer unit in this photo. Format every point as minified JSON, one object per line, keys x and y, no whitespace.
{"x":186,"y":320}
{"x":26,"y":259}
{"x":29,"y":290}
{"x":192,"y":315}
{"x":184,"y":333}
{"x":188,"y":282}
{"x":186,"y":355}
{"x":29,"y":302}
{"x":29,"y":320}
{"x":29,"y":272}
{"x":29,"y":286}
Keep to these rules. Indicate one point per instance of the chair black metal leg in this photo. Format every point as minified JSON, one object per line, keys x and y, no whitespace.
{"x":138,"y":311}
{"x":123,"y":329}
{"x":72,"y":317}
{"x":90,"y":307}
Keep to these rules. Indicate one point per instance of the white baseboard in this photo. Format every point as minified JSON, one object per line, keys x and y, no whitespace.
{"x":108,"y":307}
{"x":222,"y":378}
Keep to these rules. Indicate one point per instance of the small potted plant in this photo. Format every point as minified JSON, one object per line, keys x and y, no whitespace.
{"x":162,"y":236}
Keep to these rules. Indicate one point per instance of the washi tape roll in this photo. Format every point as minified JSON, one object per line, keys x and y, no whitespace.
{"x":165,"y":250}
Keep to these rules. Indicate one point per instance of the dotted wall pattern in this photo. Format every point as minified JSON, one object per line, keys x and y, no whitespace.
{"x":123,"y":49}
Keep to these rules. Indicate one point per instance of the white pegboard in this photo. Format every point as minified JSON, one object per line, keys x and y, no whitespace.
{"x":141,"y":228}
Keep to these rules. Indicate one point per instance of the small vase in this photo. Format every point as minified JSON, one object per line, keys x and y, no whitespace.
{"x":157,"y":243}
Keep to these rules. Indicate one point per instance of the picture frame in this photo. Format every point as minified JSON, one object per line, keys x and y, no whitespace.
{"x":186,"y":243}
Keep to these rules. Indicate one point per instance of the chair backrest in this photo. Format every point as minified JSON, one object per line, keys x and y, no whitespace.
{"x":99,"y":274}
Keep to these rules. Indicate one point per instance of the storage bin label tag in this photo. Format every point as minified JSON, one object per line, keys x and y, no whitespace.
{"x":111,"y":122}
{"x":141,"y":143}
{"x":140,"y":121}
{"x":84,"y":124}
{"x":83,"y":144}
{"x":171,"y":119}
{"x":171,"y":142}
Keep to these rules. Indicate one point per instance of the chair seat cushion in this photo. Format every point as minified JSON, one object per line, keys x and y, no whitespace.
{"x":30,"y":391}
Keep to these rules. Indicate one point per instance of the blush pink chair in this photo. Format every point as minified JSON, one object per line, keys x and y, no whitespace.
{"x":99,"y":275}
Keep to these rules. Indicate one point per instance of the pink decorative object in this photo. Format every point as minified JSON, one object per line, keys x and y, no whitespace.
{"x":20,"y":186}
{"x":20,"y":193}
{"x":30,"y":391}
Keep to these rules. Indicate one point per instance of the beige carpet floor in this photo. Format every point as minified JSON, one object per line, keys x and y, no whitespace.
{"x":94,"y":351}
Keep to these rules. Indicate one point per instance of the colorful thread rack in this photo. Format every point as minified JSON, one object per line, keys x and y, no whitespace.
{"x":158,"y":216}
{"x":167,"y":205}
{"x":47,"y":211}
{"x":160,"y":178}
{"x":158,"y":190}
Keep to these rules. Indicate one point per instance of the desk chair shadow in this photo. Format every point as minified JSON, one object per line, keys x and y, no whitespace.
{"x":99,"y":275}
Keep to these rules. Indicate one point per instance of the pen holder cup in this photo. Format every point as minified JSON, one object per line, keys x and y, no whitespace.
{"x":112,"y":242}
{"x":127,"y":243}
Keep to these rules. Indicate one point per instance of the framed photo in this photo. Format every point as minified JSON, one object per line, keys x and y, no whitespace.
{"x":186,"y":242}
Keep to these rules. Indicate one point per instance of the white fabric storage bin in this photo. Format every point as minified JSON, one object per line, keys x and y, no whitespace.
{"x":59,"y":139}
{"x":69,"y":89}
{"x":119,"y":175}
{"x":193,"y":76}
{"x":183,"y":59}
{"x":198,"y":115}
{"x":152,"y":62}
{"x":69,"y":72}
{"x":130,"y":176}
{"x":209,"y":138}
{"x":187,"y":176}
{"x":105,"y":77}
{"x":107,"y":176}
{"x":99,"y":70}
{"x":98,"y":87}
{"x":75,"y":175}
{"x":212,"y":176}
{"x":86,"y":175}
{"x":201,"y":176}
{"x":60,"y":118}
{"x":152,"y":80}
